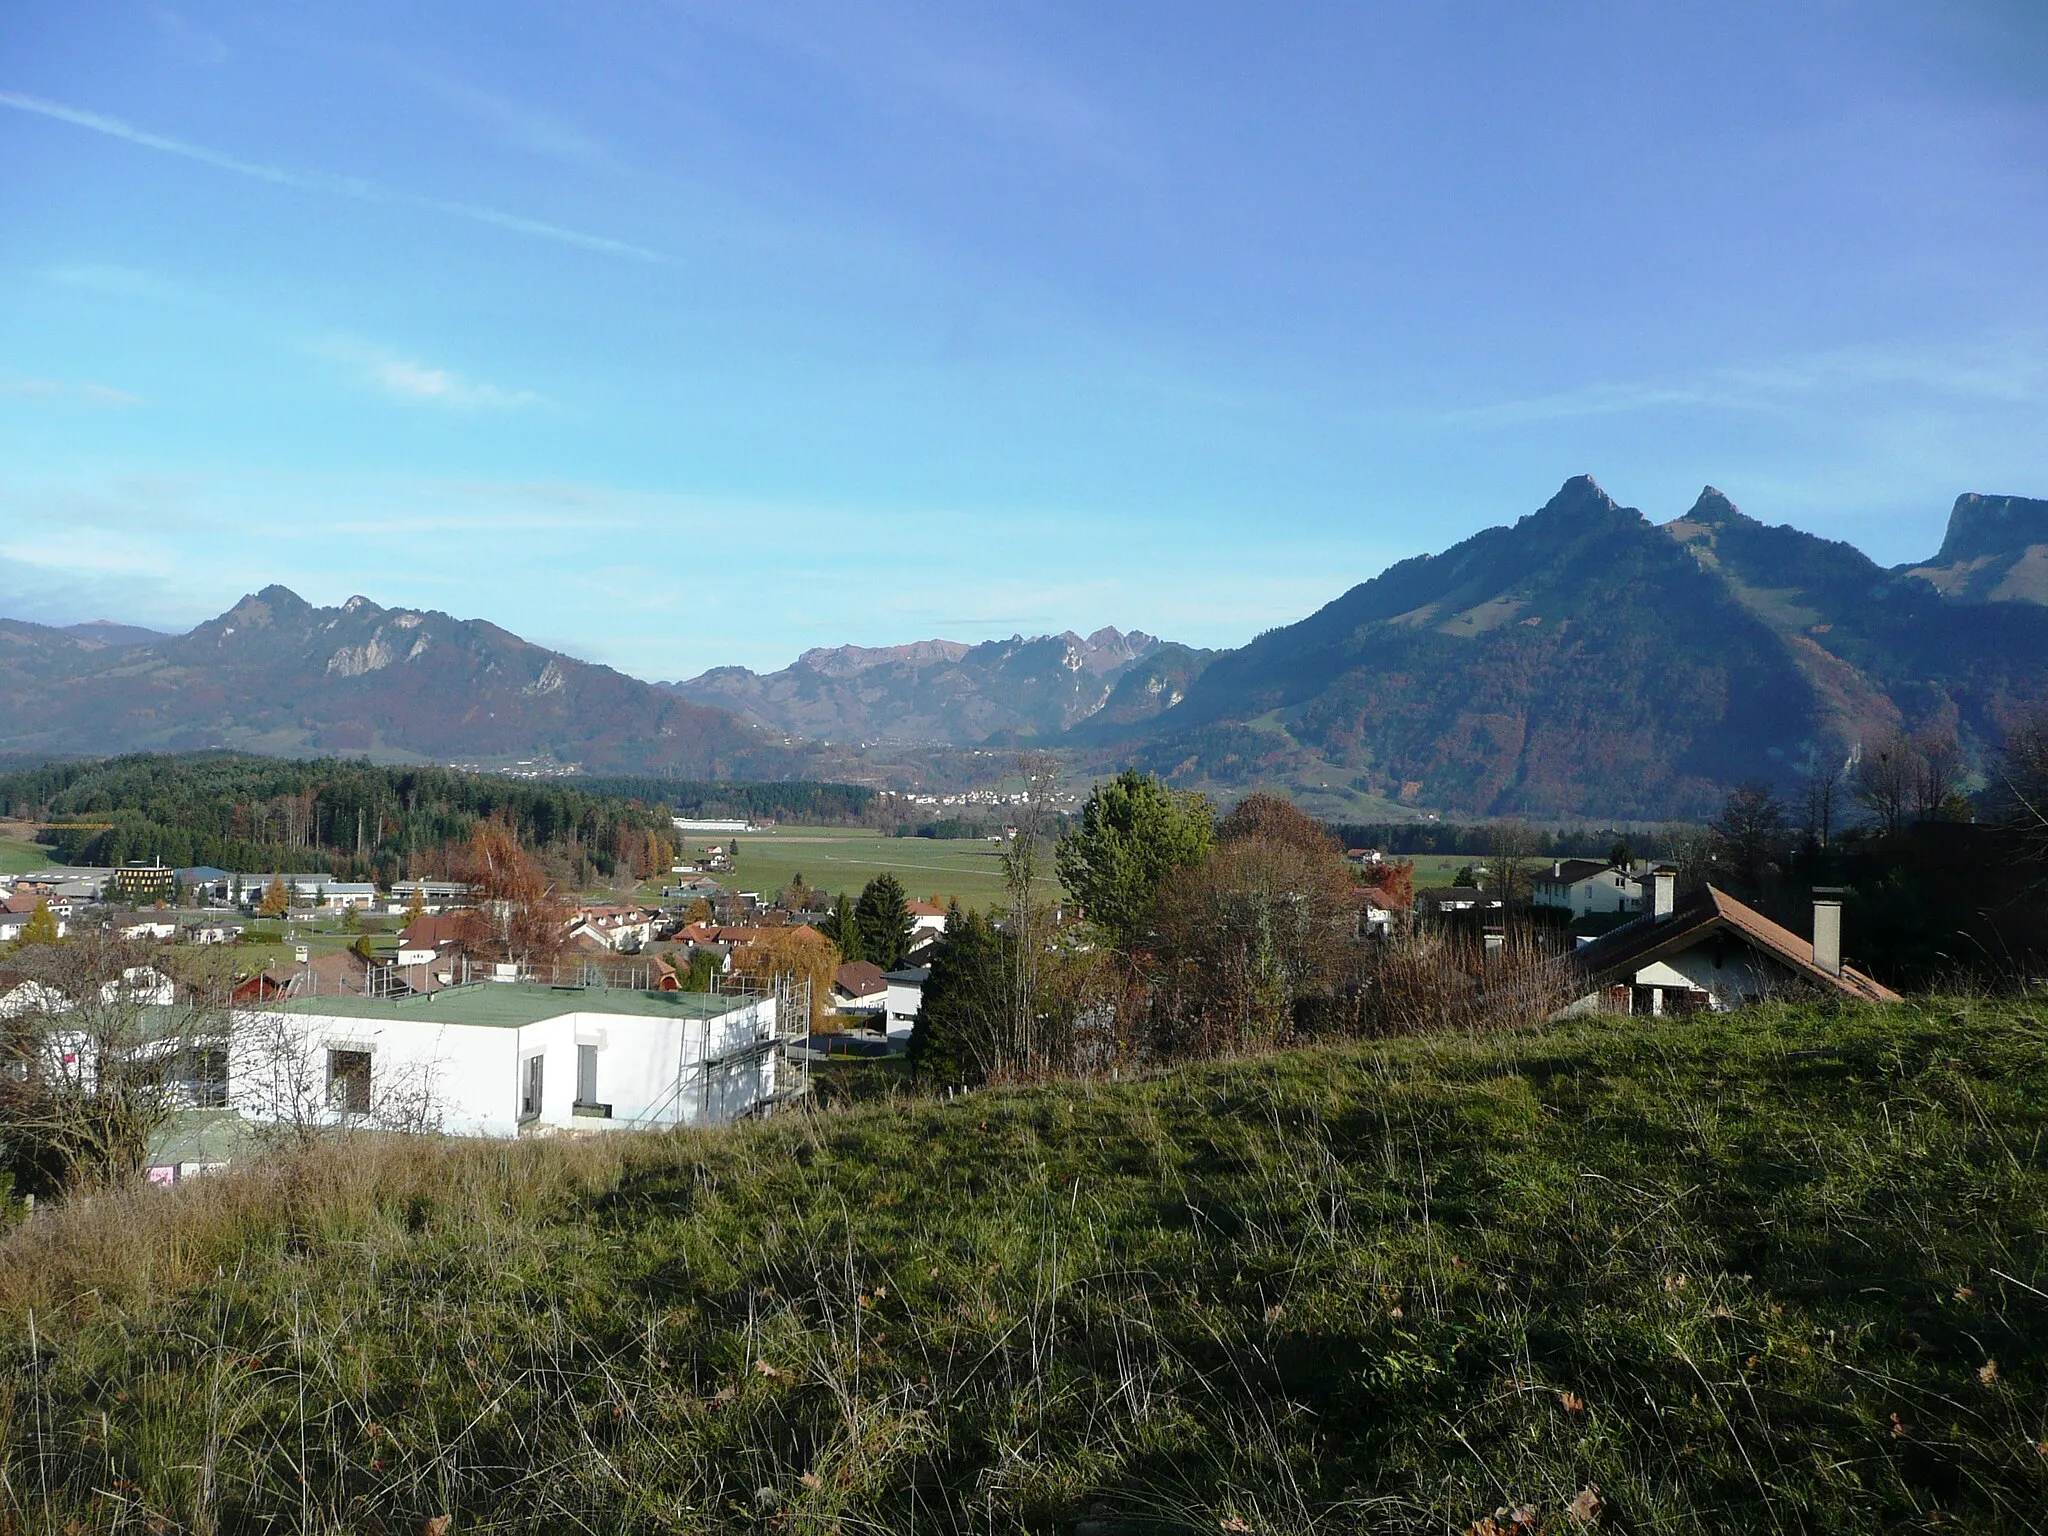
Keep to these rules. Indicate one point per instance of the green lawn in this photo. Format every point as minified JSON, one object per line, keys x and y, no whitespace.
{"x":21,"y":856}
{"x":1780,"y":1272}
{"x":836,"y":859}
{"x":1434,"y":869}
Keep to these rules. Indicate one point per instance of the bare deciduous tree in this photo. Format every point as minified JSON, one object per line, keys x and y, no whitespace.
{"x":1885,"y":780}
{"x":1820,"y":799}
{"x":297,"y":1087}
{"x":98,"y":1050}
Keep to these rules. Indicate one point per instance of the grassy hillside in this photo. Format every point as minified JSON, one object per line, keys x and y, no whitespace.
{"x":1779,"y":1272}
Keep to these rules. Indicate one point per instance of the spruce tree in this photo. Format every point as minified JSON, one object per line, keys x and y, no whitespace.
{"x":842,"y":930}
{"x":960,"y":1016}
{"x":883,"y":917}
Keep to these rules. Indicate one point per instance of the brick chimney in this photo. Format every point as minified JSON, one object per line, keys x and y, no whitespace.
{"x":1663,"y":891}
{"x":1827,"y":928}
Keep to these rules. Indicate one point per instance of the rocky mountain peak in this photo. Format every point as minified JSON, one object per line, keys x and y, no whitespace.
{"x":1579,"y":505}
{"x":1980,"y":526}
{"x":1713,"y":509}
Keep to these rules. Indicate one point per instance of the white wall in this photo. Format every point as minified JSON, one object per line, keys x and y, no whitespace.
{"x":904,"y":1000}
{"x":473,"y":1077}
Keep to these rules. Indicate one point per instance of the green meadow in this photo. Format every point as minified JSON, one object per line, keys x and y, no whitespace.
{"x":1783,"y":1271}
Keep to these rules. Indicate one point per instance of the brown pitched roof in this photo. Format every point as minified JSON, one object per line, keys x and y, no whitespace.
{"x":859,"y":978}
{"x":1635,"y":944}
{"x":432,"y":932}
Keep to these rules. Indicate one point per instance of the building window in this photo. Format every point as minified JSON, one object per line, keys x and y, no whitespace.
{"x":209,"y":1077}
{"x":529,"y":1098}
{"x":586,"y":1074}
{"x":348,"y":1081}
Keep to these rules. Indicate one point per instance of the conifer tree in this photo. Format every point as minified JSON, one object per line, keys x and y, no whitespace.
{"x":882,"y":916}
{"x":960,"y":1018}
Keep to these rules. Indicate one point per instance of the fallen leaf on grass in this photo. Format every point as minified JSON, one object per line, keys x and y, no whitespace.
{"x":1585,"y":1508}
{"x":1573,"y":1403}
{"x":1988,"y":1372}
{"x":767,"y":1370}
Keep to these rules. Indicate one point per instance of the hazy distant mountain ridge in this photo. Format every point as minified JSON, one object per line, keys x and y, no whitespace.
{"x":1001,"y":691}
{"x":1996,"y":551}
{"x":275,"y":674}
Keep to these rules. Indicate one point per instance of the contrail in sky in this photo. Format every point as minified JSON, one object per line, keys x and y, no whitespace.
{"x":342,"y":186}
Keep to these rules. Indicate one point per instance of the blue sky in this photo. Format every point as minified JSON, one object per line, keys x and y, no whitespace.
{"x":678,"y":333}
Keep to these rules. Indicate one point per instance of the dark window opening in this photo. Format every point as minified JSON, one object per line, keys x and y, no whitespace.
{"x":348,"y":1081}
{"x":529,"y":1100}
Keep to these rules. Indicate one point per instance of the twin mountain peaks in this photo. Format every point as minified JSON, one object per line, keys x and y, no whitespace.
{"x":1583,"y":662}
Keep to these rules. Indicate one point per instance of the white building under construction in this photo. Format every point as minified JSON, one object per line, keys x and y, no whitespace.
{"x":514,"y":1059}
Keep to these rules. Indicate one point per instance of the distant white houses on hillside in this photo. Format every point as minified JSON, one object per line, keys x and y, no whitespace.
{"x":712,"y":824}
{"x":516,"y":1059}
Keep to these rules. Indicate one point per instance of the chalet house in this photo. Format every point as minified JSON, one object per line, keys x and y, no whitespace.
{"x":13,"y":921}
{"x":1711,"y":952}
{"x":859,"y":987}
{"x":1588,"y":888}
{"x":143,"y":985}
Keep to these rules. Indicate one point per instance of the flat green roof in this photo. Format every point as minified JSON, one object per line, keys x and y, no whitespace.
{"x":511,"y":1005}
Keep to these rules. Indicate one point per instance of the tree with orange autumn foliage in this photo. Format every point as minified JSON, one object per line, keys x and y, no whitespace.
{"x":516,"y":916}
{"x":1392,"y":884}
{"x":797,"y":952}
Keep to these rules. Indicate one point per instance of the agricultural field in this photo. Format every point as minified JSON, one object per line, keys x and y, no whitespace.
{"x":836,"y":859}
{"x":19,"y":851}
{"x":1436,"y":869}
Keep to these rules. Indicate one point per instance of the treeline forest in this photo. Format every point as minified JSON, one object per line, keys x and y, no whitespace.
{"x":358,"y":821}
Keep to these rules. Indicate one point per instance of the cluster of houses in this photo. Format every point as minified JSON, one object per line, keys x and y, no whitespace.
{"x":407,"y":1028}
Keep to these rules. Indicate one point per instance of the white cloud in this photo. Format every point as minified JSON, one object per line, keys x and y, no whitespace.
{"x":339,"y":186}
{"x":403,"y":378}
{"x":2011,"y":370}
{"x":515,"y":122}
{"x":104,"y":396}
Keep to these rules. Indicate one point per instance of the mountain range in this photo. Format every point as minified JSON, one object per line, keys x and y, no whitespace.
{"x":934,"y":691}
{"x":1587,"y":661}
{"x":276,"y":675}
{"x":1584,"y":661}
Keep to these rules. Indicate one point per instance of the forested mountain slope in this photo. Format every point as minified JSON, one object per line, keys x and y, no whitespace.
{"x":1588,"y":661}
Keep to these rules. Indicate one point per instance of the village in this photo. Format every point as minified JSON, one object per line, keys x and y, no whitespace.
{"x":302,"y":1000}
